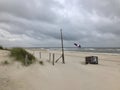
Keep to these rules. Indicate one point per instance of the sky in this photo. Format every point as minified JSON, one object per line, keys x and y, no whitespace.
{"x":37,"y":23}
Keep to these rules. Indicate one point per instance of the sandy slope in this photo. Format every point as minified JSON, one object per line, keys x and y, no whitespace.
{"x":74,"y":75}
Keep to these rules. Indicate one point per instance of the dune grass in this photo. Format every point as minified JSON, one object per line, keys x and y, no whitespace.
{"x":1,"y":47}
{"x":20,"y":55}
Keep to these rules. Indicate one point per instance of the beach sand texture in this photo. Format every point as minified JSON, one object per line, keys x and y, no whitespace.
{"x":73,"y":75}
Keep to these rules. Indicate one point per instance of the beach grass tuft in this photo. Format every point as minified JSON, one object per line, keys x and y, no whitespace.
{"x":5,"y":62}
{"x":41,"y":63}
{"x":20,"y":55}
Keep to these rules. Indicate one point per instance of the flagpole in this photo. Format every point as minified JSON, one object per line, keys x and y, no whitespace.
{"x":62,"y":47}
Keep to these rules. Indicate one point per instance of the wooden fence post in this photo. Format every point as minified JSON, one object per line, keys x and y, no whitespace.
{"x":53,"y":59}
{"x":49,"y":57}
{"x":40,"y":54}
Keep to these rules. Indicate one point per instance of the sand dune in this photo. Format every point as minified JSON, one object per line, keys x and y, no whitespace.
{"x":74,"y":75}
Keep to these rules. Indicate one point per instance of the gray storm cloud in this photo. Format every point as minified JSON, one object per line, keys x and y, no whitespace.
{"x":38,"y":22}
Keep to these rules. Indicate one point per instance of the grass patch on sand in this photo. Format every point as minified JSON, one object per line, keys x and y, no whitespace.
{"x":5,"y":62}
{"x":41,"y":62}
{"x":20,"y":55}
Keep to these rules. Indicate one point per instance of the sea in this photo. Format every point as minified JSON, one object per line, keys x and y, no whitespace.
{"x":85,"y":49}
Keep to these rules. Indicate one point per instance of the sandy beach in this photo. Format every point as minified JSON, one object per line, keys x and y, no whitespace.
{"x":73,"y":75}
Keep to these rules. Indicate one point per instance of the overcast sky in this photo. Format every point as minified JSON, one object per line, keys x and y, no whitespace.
{"x":37,"y":23}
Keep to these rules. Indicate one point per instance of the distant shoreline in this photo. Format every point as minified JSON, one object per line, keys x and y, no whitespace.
{"x":95,"y":50}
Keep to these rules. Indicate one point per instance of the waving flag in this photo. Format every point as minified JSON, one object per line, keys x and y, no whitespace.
{"x":77,"y":45}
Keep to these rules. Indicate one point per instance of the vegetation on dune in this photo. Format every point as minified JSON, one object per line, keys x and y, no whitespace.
{"x":1,"y":47}
{"x":20,"y":55}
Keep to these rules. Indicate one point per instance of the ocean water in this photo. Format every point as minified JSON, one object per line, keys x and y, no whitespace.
{"x":100,"y":50}
{"x":89,"y":49}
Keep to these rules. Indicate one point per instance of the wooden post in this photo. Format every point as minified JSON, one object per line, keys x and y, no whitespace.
{"x":40,"y":54}
{"x":53,"y":59}
{"x":62,"y":47}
